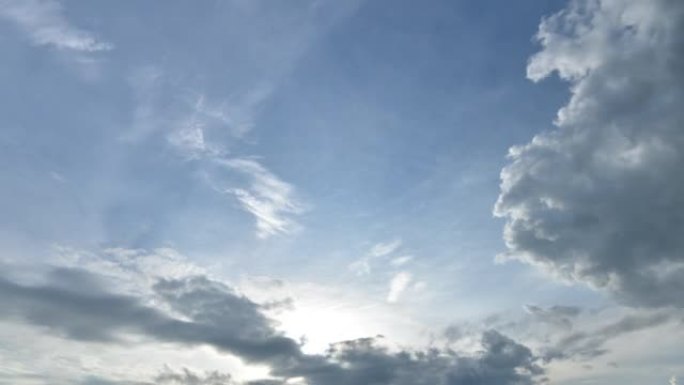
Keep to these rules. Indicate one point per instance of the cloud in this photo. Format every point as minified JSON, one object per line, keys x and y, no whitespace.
{"x":200,"y":311}
{"x":169,"y":376}
{"x":268,"y":198}
{"x":585,"y":345}
{"x":400,"y":261}
{"x":362,"y":266}
{"x":197,"y":133}
{"x":233,"y":115}
{"x":189,"y":377}
{"x":560,"y":316}
{"x":501,"y":361}
{"x":385,"y":248}
{"x":600,"y":199}
{"x":211,"y":314}
{"x":400,"y":282}
{"x":45,"y":24}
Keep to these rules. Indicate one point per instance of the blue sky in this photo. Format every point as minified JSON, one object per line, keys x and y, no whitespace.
{"x":342,"y":166}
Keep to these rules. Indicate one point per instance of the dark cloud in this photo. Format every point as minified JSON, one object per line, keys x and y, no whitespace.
{"x":501,"y":361}
{"x":215,"y":316}
{"x":189,"y":377}
{"x":200,"y":311}
{"x":600,"y":199}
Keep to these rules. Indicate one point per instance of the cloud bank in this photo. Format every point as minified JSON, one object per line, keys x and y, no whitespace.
{"x":195,"y":310}
{"x":600,"y":199}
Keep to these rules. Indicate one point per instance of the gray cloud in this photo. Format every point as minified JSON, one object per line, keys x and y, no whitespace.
{"x":600,"y":199}
{"x":188,"y":377}
{"x":501,"y":361}
{"x":215,"y":316}
{"x":560,"y":316}
{"x":586,"y":345}
{"x":197,"y":310}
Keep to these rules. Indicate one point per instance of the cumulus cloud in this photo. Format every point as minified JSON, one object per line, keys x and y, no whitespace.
{"x":201,"y":311}
{"x":600,"y":199}
{"x":501,"y":361}
{"x":46,"y":25}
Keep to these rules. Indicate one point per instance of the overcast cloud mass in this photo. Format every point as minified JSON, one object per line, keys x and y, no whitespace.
{"x":301,"y":193}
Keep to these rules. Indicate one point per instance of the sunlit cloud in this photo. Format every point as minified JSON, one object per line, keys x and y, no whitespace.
{"x":270,"y":199}
{"x":398,"y":285}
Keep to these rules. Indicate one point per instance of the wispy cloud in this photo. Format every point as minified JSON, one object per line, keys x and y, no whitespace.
{"x":45,"y":24}
{"x":400,"y":261}
{"x":385,"y":248}
{"x":196,"y":131}
{"x":268,"y":198}
{"x":362,"y":266}
{"x":398,"y":286}
{"x":207,"y":116}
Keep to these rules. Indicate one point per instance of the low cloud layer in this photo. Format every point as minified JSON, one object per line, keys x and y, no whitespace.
{"x":600,"y":199}
{"x":587,"y":345}
{"x":195,"y":310}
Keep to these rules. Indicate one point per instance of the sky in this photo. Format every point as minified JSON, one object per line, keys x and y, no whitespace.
{"x":341,"y":192}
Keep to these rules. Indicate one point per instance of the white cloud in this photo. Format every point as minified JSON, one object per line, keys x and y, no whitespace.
{"x":599,"y":199}
{"x":398,"y":286}
{"x":385,"y":248}
{"x":362,"y":266}
{"x":131,"y":269}
{"x":234,"y":115}
{"x":400,"y":261}
{"x":673,"y":380}
{"x":45,"y":24}
{"x":268,"y":198}
{"x":190,"y":139}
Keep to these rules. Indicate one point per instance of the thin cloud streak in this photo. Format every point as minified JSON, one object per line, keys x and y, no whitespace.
{"x":270,"y":199}
{"x":44,"y":23}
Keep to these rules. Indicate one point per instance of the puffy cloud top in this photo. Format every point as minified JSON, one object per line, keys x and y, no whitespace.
{"x":600,"y":199}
